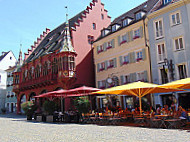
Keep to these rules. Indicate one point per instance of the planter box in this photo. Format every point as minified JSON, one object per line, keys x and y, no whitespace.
{"x":49,"y":118}
{"x":39,"y":118}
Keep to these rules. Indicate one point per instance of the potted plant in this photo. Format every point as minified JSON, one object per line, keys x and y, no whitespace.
{"x":82,"y":104}
{"x":29,"y":108}
{"x":49,"y":108}
{"x":3,"y":110}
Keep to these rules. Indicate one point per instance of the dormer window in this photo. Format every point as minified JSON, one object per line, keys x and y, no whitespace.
{"x":105,"y":32}
{"x":126,"y":22}
{"x":115,"y":27}
{"x":166,"y":1}
{"x":139,"y":15}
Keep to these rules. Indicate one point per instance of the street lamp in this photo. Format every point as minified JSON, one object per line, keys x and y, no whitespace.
{"x":170,"y":66}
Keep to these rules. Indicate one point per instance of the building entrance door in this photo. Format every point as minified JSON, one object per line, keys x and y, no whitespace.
{"x":12,"y":107}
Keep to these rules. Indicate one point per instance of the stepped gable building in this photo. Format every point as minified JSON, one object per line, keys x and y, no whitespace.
{"x":121,"y":55}
{"x":62,"y":58}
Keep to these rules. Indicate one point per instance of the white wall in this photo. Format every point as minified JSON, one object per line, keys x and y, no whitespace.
{"x":8,"y":60}
{"x":3,"y":80}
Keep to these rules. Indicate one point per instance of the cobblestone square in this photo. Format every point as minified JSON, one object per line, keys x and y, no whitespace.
{"x":17,"y":129}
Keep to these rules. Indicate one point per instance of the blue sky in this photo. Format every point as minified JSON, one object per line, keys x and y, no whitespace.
{"x":22,"y":21}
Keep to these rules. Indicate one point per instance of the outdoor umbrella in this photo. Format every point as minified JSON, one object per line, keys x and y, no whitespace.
{"x":82,"y":90}
{"x":139,"y":89}
{"x":181,"y":84}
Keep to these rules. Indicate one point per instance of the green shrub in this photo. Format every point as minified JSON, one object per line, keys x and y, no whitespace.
{"x":28,"y":107}
{"x":82,"y":104}
{"x":49,"y":107}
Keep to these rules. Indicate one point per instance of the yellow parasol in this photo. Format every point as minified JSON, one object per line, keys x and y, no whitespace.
{"x":180,"y":84}
{"x":139,"y":89}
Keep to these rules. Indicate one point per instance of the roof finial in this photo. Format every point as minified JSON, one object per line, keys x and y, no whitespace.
{"x":66,"y":13}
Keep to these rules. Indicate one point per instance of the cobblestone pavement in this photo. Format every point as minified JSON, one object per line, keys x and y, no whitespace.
{"x":17,"y":129}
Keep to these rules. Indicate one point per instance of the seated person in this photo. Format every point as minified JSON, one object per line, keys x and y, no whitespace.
{"x":158,"y":110}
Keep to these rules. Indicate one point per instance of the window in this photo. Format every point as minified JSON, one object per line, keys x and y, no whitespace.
{"x":102,"y":16}
{"x":110,"y":64}
{"x":161,"y":53}
{"x":10,"y":58}
{"x":125,"y":22}
{"x":158,"y":29}
{"x":123,"y":39}
{"x":113,"y":28}
{"x":102,"y":84}
{"x":166,"y":1}
{"x":164,"y":76}
{"x":126,"y":59}
{"x":138,"y":16}
{"x":136,"y":33}
{"x":102,"y":66}
{"x":100,"y":49}
{"x":94,"y":26}
{"x":139,"y":56}
{"x":90,"y":39}
{"x":175,"y":19}
{"x":140,"y":76}
{"x":109,"y":45}
{"x":178,"y":43}
{"x":127,"y":79}
{"x":182,"y":71}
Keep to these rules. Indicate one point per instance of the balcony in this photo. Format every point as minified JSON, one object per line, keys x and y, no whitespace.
{"x":38,"y":82}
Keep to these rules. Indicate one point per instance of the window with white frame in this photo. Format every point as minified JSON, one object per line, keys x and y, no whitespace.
{"x":110,"y":63}
{"x":138,"y":55}
{"x":102,"y":66}
{"x":100,"y":49}
{"x":125,"y":22}
{"x":102,"y":84}
{"x":136,"y":33}
{"x":164,"y":76}
{"x":126,"y":59}
{"x":161,"y":52}
{"x":178,"y":43}
{"x":140,"y":76}
{"x":166,"y":1}
{"x":139,"y":15}
{"x":182,"y":71}
{"x":175,"y":18}
{"x":126,"y":79}
{"x":109,"y":45}
{"x":159,"y":28}
{"x":113,"y":28}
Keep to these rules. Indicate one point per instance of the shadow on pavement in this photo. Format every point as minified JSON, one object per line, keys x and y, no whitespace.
{"x":12,"y":115}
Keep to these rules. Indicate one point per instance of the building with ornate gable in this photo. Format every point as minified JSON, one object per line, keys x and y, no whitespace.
{"x":62,"y":58}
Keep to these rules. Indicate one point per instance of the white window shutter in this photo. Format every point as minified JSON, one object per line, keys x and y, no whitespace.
{"x":119,"y":40}
{"x":121,"y":60}
{"x":115,"y":62}
{"x":144,"y":54}
{"x":113,"y":43}
{"x":122,"y":79}
{"x":141,"y":31}
{"x":145,"y":76}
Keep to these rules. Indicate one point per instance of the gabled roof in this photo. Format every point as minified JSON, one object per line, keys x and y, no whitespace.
{"x":144,"y":7}
{"x":53,"y":40}
{"x":3,"y":56}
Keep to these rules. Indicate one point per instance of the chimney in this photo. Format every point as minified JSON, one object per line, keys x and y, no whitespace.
{"x":47,"y":30}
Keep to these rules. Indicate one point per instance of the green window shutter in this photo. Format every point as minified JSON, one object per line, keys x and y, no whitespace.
{"x":104,"y":46}
{"x":131,"y":35}
{"x":113,"y":43}
{"x":144,"y":54}
{"x":127,"y":37}
{"x":106,"y":65}
{"x":121,"y":60}
{"x":141,"y":32}
{"x":130,"y":57}
{"x":98,"y":67}
{"x":122,"y":79}
{"x":119,"y":40}
{"x":145,"y":76}
{"x":115,"y":62}
{"x":97,"y":49}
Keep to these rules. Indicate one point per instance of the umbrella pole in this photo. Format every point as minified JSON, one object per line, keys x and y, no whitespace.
{"x":61,"y":104}
{"x":140,"y":104}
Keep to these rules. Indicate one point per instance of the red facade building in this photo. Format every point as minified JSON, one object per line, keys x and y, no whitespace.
{"x":62,"y":58}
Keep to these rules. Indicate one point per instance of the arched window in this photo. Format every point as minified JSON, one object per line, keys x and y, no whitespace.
{"x":30,"y":74}
{"x":54,"y":66}
{"x":45,"y":69}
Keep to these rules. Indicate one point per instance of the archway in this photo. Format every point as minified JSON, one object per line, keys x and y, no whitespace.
{"x":31,"y":96}
{"x":22,"y":100}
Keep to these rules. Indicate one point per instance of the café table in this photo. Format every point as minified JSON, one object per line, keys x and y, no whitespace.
{"x":173,"y":123}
